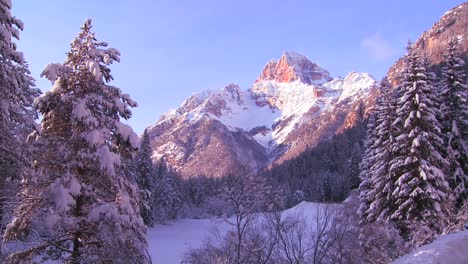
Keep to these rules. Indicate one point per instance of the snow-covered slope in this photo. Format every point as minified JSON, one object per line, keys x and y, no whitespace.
{"x":168,"y":243}
{"x":260,"y":124}
{"x":451,"y":249}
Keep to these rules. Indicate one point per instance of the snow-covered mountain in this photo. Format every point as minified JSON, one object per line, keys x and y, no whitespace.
{"x":293,"y":104}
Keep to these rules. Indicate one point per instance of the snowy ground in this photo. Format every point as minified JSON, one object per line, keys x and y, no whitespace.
{"x":451,"y":249}
{"x":167,"y":243}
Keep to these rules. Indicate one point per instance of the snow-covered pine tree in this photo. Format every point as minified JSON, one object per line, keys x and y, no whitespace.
{"x":421,"y":192}
{"x":364,"y":168}
{"x":168,"y":198}
{"x":77,"y":207}
{"x":16,"y":112}
{"x":197,"y":190}
{"x":352,"y":169}
{"x":375,"y":189}
{"x":145,"y":178}
{"x":381,"y":181}
{"x":377,"y":184}
{"x":454,"y":93}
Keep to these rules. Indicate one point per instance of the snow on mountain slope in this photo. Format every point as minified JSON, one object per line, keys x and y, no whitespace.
{"x":259,"y":121}
{"x":246,"y":115}
{"x":289,"y":100}
{"x":354,"y":84}
{"x":294,"y":100}
{"x":234,"y":108}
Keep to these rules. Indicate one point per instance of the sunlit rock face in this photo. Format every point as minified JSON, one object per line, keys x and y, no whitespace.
{"x":294,"y":67}
{"x":433,"y":42}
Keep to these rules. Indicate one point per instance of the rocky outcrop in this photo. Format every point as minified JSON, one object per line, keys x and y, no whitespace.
{"x":207,"y":147}
{"x":433,"y":43}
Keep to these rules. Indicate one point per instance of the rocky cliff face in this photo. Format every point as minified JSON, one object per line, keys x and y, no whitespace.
{"x":293,"y":104}
{"x":433,"y":42}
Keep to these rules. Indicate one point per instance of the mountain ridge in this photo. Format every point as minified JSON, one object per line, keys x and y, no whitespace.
{"x":434,"y":41}
{"x":230,"y":130}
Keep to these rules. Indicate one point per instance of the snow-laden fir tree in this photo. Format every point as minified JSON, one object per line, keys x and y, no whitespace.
{"x":197,"y":189}
{"x":168,"y":196}
{"x":145,"y":178}
{"x":377,"y":183}
{"x":454,"y":93}
{"x":421,"y":192}
{"x":16,"y":112}
{"x":377,"y":235}
{"x":77,"y":207}
{"x":364,"y":168}
{"x":352,"y":168}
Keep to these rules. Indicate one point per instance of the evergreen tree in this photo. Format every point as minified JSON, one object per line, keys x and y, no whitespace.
{"x":168,"y":197}
{"x":145,"y":178}
{"x":364,"y":168}
{"x":455,"y":115}
{"x":352,"y":167}
{"x":380,"y":142}
{"x":16,"y":112}
{"x":421,"y":190}
{"x":77,"y":207}
{"x":197,"y":190}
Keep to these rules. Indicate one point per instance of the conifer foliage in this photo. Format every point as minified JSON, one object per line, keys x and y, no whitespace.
{"x":168,"y":195}
{"x":376,"y":184}
{"x":421,"y":191}
{"x":145,"y":178}
{"x":76,"y":206}
{"x":454,"y":93}
{"x":405,"y":173}
{"x":16,"y":112}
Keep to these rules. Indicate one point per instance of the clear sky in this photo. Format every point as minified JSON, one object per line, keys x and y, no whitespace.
{"x":172,"y":49}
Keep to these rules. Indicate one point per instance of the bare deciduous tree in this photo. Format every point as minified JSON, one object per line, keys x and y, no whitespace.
{"x":246,"y":196}
{"x":277,"y":238}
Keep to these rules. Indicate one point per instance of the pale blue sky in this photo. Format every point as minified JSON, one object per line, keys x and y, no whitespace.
{"x":172,"y":49}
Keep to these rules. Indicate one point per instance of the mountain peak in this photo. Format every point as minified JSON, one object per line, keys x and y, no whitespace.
{"x":291,"y":67}
{"x":293,"y":57}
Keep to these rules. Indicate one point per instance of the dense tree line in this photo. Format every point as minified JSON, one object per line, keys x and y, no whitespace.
{"x":414,"y":172}
{"x":326,"y":172}
{"x":172,"y":197}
